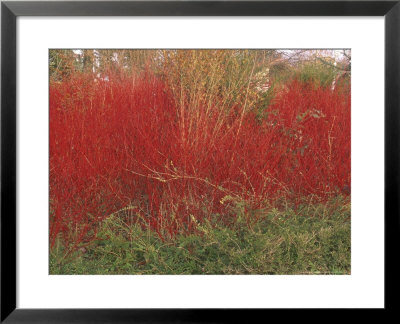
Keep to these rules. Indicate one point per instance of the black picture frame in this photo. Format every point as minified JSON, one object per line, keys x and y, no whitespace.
{"x":11,"y":10}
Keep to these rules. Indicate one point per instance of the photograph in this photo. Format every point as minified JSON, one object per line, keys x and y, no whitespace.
{"x":199,"y":161}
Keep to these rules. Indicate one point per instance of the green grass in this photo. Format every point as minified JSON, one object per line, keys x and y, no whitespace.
{"x":313,"y":239}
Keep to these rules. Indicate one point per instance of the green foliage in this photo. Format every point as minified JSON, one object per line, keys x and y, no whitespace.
{"x":61,"y":64}
{"x":317,"y":70}
{"x":321,"y":74}
{"x":313,"y":239}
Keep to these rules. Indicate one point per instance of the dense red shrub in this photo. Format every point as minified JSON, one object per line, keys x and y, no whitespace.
{"x":125,"y":142}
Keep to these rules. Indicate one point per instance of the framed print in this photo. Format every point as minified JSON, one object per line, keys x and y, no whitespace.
{"x":190,"y":161}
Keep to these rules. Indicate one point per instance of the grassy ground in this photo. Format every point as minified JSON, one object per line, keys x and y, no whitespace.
{"x":313,"y":239}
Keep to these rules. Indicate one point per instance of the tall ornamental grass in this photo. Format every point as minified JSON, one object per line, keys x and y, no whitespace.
{"x":127,"y":146}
